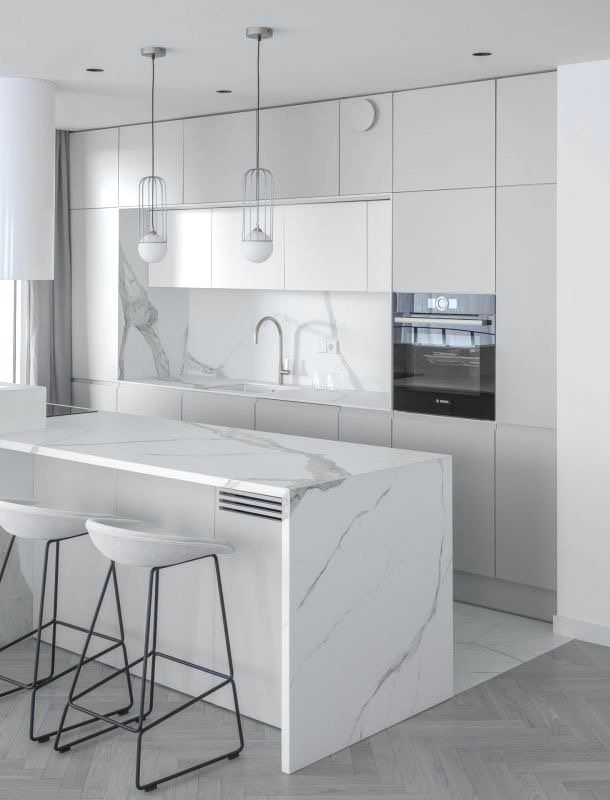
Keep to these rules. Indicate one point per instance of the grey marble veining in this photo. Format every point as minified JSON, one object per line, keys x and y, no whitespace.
{"x":208,"y":454}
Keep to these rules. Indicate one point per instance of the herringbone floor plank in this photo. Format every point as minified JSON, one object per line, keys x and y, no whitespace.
{"x":538,"y":732}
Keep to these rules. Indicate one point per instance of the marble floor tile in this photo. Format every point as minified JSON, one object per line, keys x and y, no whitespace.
{"x":488,"y":643}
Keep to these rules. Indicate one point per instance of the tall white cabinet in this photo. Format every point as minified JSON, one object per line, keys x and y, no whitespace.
{"x":95,"y":292}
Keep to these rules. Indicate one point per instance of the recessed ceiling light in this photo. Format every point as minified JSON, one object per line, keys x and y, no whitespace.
{"x":224,"y":91}
{"x":94,"y":69}
{"x":481,"y":53}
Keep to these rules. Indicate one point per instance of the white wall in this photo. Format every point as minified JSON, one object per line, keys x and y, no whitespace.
{"x":583,"y":362}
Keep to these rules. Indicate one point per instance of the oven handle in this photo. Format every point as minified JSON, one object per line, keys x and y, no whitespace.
{"x":439,"y":322}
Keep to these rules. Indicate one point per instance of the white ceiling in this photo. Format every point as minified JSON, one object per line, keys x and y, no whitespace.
{"x":321,"y":48}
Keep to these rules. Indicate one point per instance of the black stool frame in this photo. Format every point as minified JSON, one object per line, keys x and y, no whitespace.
{"x":38,"y":682}
{"x":151,"y":654}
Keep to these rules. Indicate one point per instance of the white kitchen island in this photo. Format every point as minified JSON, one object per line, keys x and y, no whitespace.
{"x":339,"y":593}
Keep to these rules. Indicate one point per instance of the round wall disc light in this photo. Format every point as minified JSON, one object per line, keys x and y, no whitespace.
{"x":362,"y":115}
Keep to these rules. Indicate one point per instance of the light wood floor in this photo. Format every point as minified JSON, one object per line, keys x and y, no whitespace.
{"x":538,"y":732}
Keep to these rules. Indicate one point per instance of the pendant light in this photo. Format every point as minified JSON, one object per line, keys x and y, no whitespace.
{"x":152,"y":195}
{"x":257,"y":219}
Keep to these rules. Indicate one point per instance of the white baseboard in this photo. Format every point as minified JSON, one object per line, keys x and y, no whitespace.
{"x":581,"y":629}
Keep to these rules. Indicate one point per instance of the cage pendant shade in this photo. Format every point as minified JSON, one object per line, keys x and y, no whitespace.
{"x":257,"y":207}
{"x":152,"y":193}
{"x":257,"y":218}
{"x":152,"y":219}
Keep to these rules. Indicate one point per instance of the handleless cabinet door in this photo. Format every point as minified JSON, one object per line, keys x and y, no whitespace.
{"x":526,"y":507}
{"x":135,"y":159}
{"x":300,"y":145}
{"x":148,"y":401}
{"x":188,"y":262}
{"x":527,"y":129}
{"x":94,"y":169}
{"x":471,"y":445}
{"x":218,"y":409}
{"x":95,"y":292}
{"x":526,"y":311}
{"x":444,"y":241}
{"x":252,"y":583}
{"x":300,"y":419}
{"x":217,"y":152}
{"x":98,"y":396}
{"x":230,"y":270}
{"x":365,"y":426}
{"x":326,"y":247}
{"x":379,"y":246}
{"x":444,"y":137}
{"x":366,"y":155}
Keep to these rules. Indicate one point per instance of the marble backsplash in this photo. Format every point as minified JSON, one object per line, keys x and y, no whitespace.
{"x":174,"y":334}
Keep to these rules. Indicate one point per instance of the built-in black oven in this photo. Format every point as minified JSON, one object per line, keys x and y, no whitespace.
{"x":444,"y":354}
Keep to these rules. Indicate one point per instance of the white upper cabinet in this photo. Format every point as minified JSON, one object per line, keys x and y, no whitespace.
{"x":188,"y":262}
{"x":217,"y":152}
{"x":445,"y":241}
{"x":366,"y":152}
{"x":444,"y":137}
{"x":95,"y":293}
{"x":300,"y":145}
{"x":379,"y":246}
{"x":527,"y":129}
{"x":94,"y":169}
{"x":230,"y":270}
{"x":526,"y":306}
{"x":326,"y":247}
{"x":135,"y":159}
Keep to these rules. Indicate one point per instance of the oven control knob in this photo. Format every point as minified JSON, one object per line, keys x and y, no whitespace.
{"x":442,"y":304}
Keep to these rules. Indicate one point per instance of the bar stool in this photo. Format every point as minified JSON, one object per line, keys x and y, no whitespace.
{"x":135,"y":543}
{"x":27,"y":519}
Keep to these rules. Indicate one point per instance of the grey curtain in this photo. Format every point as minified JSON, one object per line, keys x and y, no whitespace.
{"x":49,"y":324}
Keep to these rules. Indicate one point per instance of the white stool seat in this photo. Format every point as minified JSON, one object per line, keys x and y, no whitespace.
{"x":139,"y":544}
{"x":28,"y":519}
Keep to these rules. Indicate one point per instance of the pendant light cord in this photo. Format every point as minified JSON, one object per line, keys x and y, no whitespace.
{"x":152,"y":116}
{"x":258,"y":99}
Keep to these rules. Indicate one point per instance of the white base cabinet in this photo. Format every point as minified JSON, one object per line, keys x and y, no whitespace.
{"x":365,"y":426}
{"x":526,"y":507}
{"x":471,"y":444}
{"x":148,"y":401}
{"x":300,"y":419}
{"x":98,"y":396}
{"x":218,"y":409}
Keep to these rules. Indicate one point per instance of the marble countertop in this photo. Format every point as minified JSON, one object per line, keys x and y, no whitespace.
{"x":255,"y":461}
{"x":351,"y":398}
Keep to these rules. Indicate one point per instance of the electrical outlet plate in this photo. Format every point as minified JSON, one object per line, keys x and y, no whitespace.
{"x":332,"y":346}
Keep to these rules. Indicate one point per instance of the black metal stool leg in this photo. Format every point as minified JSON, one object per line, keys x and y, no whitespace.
{"x":223,"y":612}
{"x":9,"y":549}
{"x":72,"y":696}
{"x":35,"y":680}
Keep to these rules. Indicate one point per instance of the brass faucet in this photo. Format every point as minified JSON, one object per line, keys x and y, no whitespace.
{"x":283,"y":362}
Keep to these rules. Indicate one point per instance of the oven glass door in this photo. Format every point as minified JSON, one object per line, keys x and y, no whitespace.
{"x":445,"y":364}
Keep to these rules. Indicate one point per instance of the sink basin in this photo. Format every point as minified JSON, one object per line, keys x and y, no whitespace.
{"x":254,"y":388}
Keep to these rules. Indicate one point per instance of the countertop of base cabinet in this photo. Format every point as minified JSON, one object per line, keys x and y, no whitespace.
{"x":351,"y":398}
{"x":229,"y":458}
